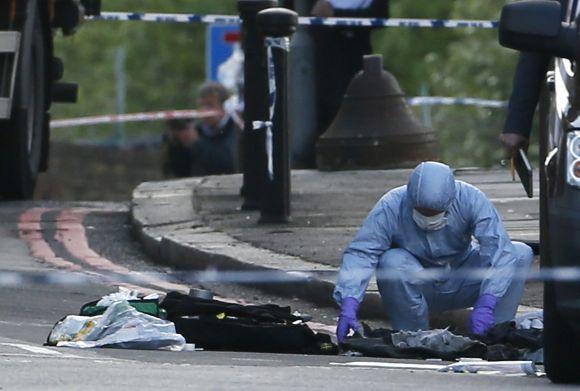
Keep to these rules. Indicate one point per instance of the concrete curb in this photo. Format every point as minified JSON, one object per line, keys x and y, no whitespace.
{"x":171,"y":231}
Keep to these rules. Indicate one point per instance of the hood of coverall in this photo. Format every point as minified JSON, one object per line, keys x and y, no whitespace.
{"x":431,"y":186}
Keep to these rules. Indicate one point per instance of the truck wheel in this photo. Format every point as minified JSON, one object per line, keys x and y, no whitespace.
{"x":21,"y":137}
{"x":561,"y":342}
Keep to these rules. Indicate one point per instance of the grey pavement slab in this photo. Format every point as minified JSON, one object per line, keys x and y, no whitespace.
{"x":198,"y":224}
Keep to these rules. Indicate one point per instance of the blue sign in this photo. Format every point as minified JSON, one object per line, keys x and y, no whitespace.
{"x":217,"y":48}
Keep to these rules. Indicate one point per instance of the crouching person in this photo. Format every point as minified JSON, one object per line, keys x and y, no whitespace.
{"x":433,"y":222}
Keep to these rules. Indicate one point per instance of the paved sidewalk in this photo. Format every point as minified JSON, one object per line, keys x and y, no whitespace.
{"x":198,"y":224}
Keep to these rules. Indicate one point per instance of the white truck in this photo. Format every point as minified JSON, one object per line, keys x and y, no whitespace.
{"x":29,"y":82}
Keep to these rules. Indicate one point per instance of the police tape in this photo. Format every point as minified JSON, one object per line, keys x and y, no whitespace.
{"x":198,"y":114}
{"x":307,"y":21}
{"x":261,"y":277}
{"x":166,"y":17}
{"x":272,"y":43}
{"x":451,"y":101}
{"x":134,"y":117}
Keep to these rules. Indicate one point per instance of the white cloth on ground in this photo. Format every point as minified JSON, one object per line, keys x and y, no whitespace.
{"x":120,"y":326}
{"x":531,"y":320}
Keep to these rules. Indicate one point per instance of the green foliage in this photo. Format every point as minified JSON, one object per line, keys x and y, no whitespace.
{"x":406,"y":50}
{"x":165,"y":63}
{"x":454,"y":62}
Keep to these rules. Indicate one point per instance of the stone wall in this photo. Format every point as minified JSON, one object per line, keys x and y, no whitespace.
{"x":97,"y":173}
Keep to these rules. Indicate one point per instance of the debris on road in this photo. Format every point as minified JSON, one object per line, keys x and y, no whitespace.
{"x":495,"y":367}
{"x":123,"y":294}
{"x":120,"y":326}
{"x":126,"y":319}
{"x":504,"y":342}
{"x":438,"y":343}
{"x":510,"y":368}
{"x":216,"y":325}
{"x":532,"y":320}
{"x":439,"y":340}
{"x":148,"y":304}
{"x":391,"y":365}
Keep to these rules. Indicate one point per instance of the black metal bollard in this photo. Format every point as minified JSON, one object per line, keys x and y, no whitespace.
{"x":255,"y":102}
{"x":277,"y":25}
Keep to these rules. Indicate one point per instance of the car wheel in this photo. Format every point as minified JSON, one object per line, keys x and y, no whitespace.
{"x":561,"y":342}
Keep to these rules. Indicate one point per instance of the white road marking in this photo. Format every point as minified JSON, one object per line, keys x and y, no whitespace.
{"x":505,"y":200}
{"x":389,"y":365}
{"x":20,"y":324}
{"x":33,"y":349}
{"x":61,"y":356}
{"x":33,"y":355}
{"x":255,"y":359}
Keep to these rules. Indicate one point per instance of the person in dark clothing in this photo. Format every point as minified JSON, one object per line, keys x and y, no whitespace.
{"x":179,"y":137}
{"x":209,"y":147}
{"x":340,"y":50}
{"x":216,"y":150}
{"x":529,"y":76}
{"x":527,"y":85}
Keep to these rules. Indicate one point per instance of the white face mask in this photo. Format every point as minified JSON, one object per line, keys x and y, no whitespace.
{"x":430,"y":223}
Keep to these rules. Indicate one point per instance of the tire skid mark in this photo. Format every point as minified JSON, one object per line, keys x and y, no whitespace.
{"x":30,"y":230}
{"x":72,"y":234}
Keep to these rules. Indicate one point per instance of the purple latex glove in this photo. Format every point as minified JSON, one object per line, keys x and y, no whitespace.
{"x":347,"y":319}
{"x":482,"y":317}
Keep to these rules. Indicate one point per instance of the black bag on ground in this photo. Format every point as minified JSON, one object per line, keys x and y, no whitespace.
{"x":215,"y":325}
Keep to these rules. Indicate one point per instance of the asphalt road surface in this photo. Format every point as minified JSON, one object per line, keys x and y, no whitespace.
{"x":94,"y":238}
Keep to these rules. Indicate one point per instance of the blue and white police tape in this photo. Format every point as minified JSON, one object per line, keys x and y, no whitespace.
{"x":166,"y":18}
{"x":281,"y":43}
{"x":267,"y":125}
{"x":452,"y":101}
{"x":13,"y":278}
{"x":307,"y":21}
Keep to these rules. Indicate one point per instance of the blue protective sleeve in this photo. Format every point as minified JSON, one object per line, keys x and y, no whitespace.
{"x":495,"y":245}
{"x":361,"y":257}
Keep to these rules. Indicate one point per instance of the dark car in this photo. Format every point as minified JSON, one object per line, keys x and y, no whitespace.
{"x":537,"y":26}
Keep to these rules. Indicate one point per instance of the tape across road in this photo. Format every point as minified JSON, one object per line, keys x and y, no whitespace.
{"x":399,"y":22}
{"x":307,"y":21}
{"x":134,"y":117}
{"x":197,"y":114}
{"x":166,"y":18}
{"x":11,"y":279}
{"x":451,"y":101}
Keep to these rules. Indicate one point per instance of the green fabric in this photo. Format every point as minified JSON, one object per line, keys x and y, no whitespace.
{"x":147,"y":307}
